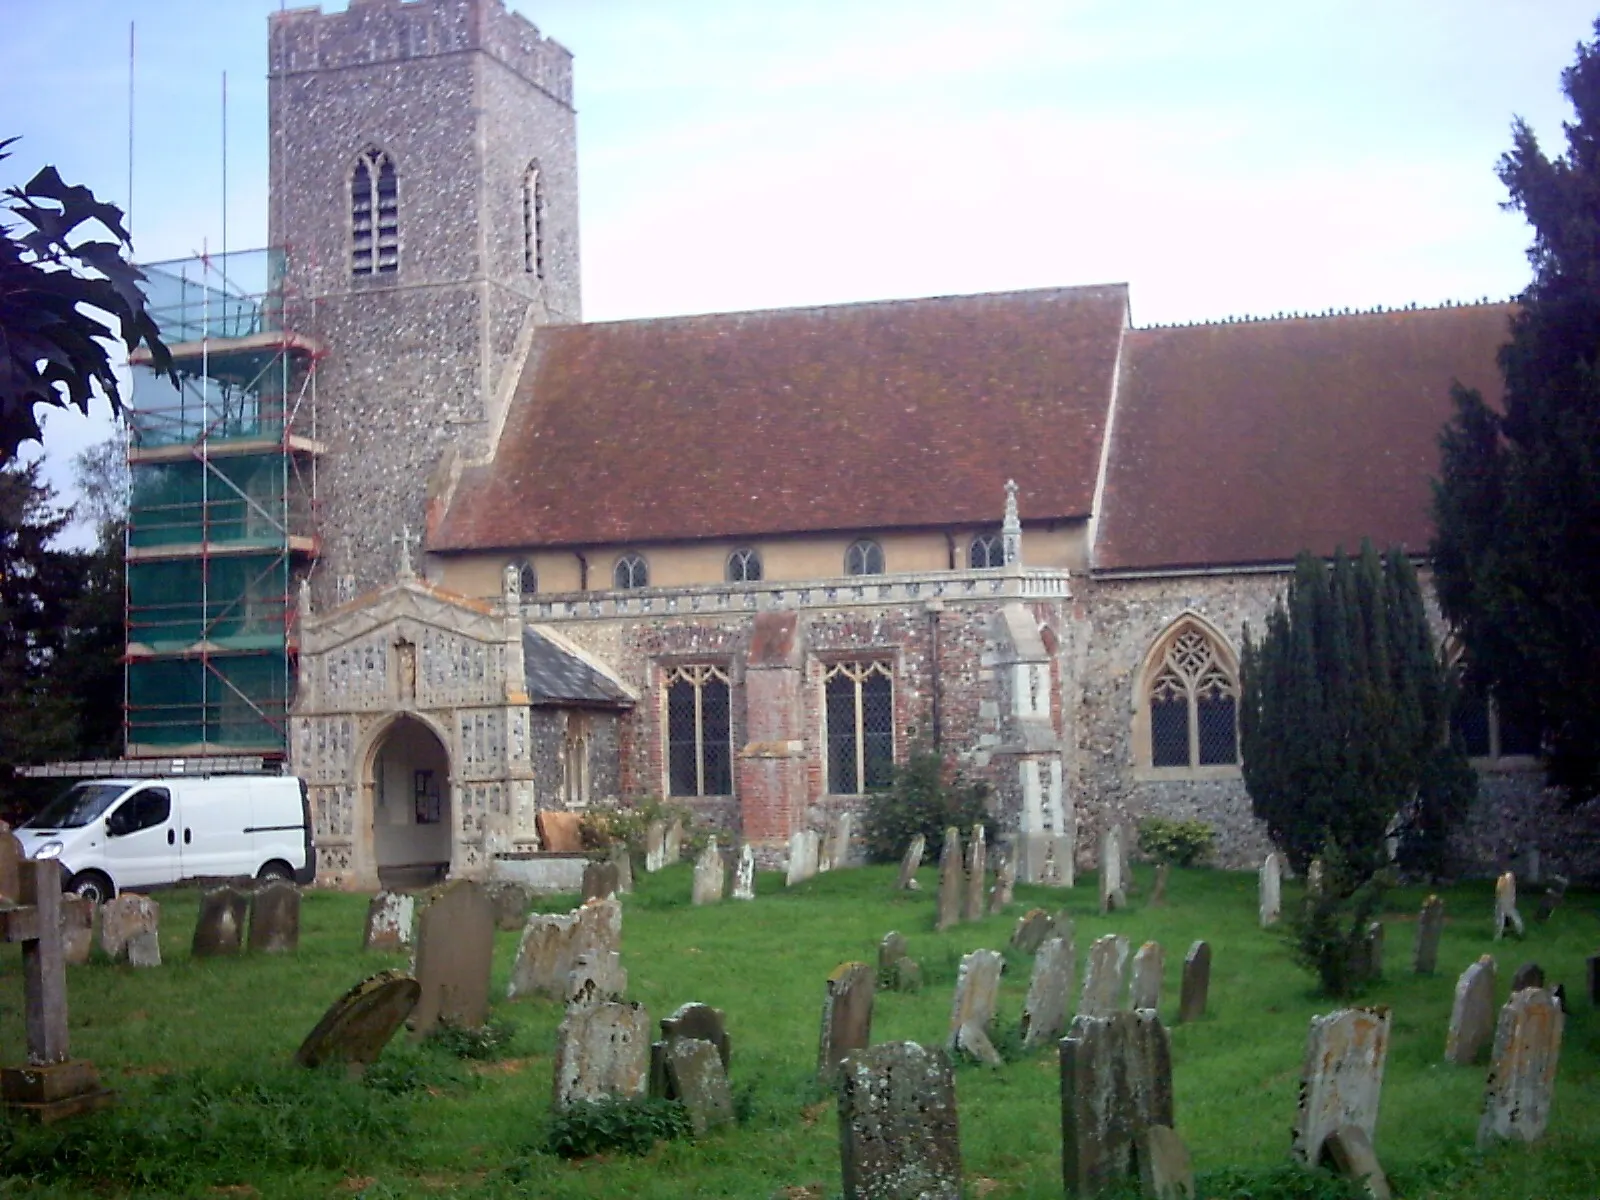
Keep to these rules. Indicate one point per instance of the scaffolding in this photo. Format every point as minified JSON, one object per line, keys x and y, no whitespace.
{"x":223,"y":512}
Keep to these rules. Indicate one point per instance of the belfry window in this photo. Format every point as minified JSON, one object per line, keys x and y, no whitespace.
{"x":631,"y":572}
{"x":859,"y":704}
{"x":987,"y":550}
{"x":864,"y":558}
{"x":699,"y":732}
{"x":1193,"y":699}
{"x":744,"y":566}
{"x":374,"y":215}
{"x":533,"y":221}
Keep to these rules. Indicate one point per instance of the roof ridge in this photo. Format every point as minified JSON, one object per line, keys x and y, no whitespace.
{"x":1330,"y":314}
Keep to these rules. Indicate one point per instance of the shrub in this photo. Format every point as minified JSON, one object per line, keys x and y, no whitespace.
{"x":1329,"y":932}
{"x":630,"y":1126}
{"x":626,"y":824}
{"x":1180,"y":843}
{"x":926,"y":795}
{"x":484,"y":1044}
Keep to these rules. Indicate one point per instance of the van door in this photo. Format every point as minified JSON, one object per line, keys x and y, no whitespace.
{"x":213,"y":815}
{"x":141,"y":840}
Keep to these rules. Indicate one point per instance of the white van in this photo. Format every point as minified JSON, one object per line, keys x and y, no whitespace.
{"x":114,"y":834}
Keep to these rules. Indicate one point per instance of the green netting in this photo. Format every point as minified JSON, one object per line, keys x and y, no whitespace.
{"x":232,"y":701}
{"x":236,"y":602}
{"x":251,"y":499}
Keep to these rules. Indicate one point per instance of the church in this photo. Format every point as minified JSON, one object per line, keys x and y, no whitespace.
{"x":748,"y":561}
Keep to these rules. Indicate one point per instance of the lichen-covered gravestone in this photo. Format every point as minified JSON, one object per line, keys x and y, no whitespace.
{"x":599,"y":880}
{"x":1005,"y":882}
{"x":836,"y":850}
{"x":709,"y":875}
{"x":623,"y":860}
{"x":744,"y":874}
{"x":1471,"y":1014}
{"x":1113,"y":891}
{"x":973,"y":1009}
{"x":596,"y":976}
{"x":691,"y":1020}
{"x":1522,"y":1070}
{"x":1044,"y":1011}
{"x":602,"y":1050}
{"x":1505,"y":906}
{"x":360,"y":1023}
{"x":1430,"y":925}
{"x":700,"y":1083}
{"x":1149,"y":969}
{"x":655,"y":846}
{"x":977,"y":868}
{"x":1033,"y":927}
{"x":951,"y":880}
{"x":1196,"y":983}
{"x":275,"y":919}
{"x":511,"y":902}
{"x":1269,"y":885}
{"x":1342,"y":1079}
{"x":220,"y":927}
{"x":1116,"y":1082}
{"x":544,"y":956}
{"x":1350,"y":1151}
{"x":389,"y":918}
{"x":1104,"y":976}
{"x":804,"y":853}
{"x":130,"y":930}
{"x":898,"y":1133}
{"x":672,"y":844}
{"x":846,"y":1015}
{"x":455,"y":948}
{"x":77,"y":929}
{"x":909,"y":862}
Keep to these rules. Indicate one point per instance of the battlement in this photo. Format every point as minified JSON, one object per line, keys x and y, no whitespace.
{"x":372,"y":32}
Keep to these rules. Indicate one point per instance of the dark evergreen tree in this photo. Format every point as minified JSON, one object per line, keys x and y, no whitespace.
{"x":1517,"y":504}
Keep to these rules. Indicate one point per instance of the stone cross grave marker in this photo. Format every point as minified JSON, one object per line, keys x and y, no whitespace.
{"x":805,"y":849}
{"x":909,"y":862}
{"x":1196,"y":983}
{"x":12,"y":857}
{"x":455,"y":949}
{"x":511,"y":902}
{"x":275,"y":918}
{"x":1342,"y":1079}
{"x":1158,"y":894}
{"x":1505,"y":906}
{"x":1104,"y":976}
{"x":1116,"y":1082}
{"x":744,"y":874}
{"x":596,"y":976}
{"x":1149,"y":970}
{"x":130,"y":927}
{"x":691,"y":1020}
{"x":1033,"y":927}
{"x":1430,"y":925}
{"x":1113,"y":892}
{"x":1044,"y":1011}
{"x":220,"y":927}
{"x":1471,"y":1014}
{"x":846,"y":1015}
{"x":951,"y":880}
{"x":699,"y":1083}
{"x":898,"y":1133}
{"x":655,"y":846}
{"x":1522,"y":1070}
{"x":1528,"y":975}
{"x":1005,"y":883}
{"x":709,"y":875}
{"x":977,"y":868}
{"x":1270,"y":887}
{"x":602,"y":1050}
{"x":360,"y":1023}
{"x":389,"y":918}
{"x":973,"y":1010}
{"x":599,"y":880}
{"x":836,"y":850}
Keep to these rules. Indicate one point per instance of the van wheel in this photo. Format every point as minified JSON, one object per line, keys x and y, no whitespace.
{"x":92,"y":885}
{"x":275,"y":872}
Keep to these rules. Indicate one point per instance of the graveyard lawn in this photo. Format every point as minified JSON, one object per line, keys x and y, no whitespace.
{"x":199,"y":1053}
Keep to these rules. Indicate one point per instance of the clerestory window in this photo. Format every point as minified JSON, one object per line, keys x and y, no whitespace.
{"x":864,"y":558}
{"x":744,"y":566}
{"x":631,"y":572}
{"x":1193,"y":702}
{"x":699,"y":732}
{"x":374,"y":215}
{"x":859,"y":707}
{"x":527,"y":577}
{"x":987,"y":550}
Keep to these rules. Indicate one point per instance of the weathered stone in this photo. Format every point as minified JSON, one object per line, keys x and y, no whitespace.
{"x":603,"y":1050}
{"x":1430,"y":926}
{"x":1104,"y":976}
{"x":846,"y":1015}
{"x":709,"y":875}
{"x":389,"y":918}
{"x":951,"y":880}
{"x":1270,"y":889}
{"x":1522,"y":1070}
{"x":1505,"y":906}
{"x":1033,"y":927}
{"x":221,"y":924}
{"x":599,"y":881}
{"x":672,"y":844}
{"x":1342,"y":1079}
{"x":1472,"y":1013}
{"x":1165,"y":1169}
{"x":1005,"y":882}
{"x":1113,"y":891}
{"x":700,"y":1082}
{"x":1044,"y":1011}
{"x":836,"y":850}
{"x":890,"y":951}
{"x":1158,"y":894}
{"x":1116,"y":1082}
{"x":1373,"y":950}
{"x":144,"y":949}
{"x":744,"y":874}
{"x":1047,"y":858}
{"x":1196,"y":983}
{"x":77,"y":929}
{"x":623,"y":861}
{"x":1528,"y":975}
{"x":544,"y":956}
{"x":599,"y":926}
{"x":696,"y":1020}
{"x":1314,"y":875}
{"x":122,"y":919}
{"x":655,"y":846}
{"x":898,"y":1133}
{"x":906,"y":976}
{"x":1149,"y":971}
{"x":361,"y":1022}
{"x":909,"y":862}
{"x":11,"y":858}
{"x":977,"y":868}
{"x":455,"y":949}
{"x":597,"y":976}
{"x":560,"y":832}
{"x":804,"y":852}
{"x":511,"y":902}
{"x":275,"y":918}
{"x":973,"y":1010}
{"x":1350,"y":1150}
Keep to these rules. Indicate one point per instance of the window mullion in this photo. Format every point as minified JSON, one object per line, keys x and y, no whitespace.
{"x":699,"y":737}
{"x":861,"y":740}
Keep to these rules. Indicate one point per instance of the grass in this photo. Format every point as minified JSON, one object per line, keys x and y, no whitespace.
{"x":199,"y":1050}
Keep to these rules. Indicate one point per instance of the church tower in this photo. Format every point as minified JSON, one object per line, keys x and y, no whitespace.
{"x":424,"y":190}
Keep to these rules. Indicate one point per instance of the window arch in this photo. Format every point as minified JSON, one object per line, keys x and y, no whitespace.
{"x":987,"y":550}
{"x":527,"y":576}
{"x":699,"y":732}
{"x":864,"y":557}
{"x":1189,"y":700}
{"x":533,"y":220}
{"x":744,"y":565}
{"x":631,"y":572}
{"x":374,"y":214}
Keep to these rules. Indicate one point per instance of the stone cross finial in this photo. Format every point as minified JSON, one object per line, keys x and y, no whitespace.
{"x":405,"y":570}
{"x":1011,"y":528}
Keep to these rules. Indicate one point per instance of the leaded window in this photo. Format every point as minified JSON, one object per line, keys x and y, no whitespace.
{"x":631,"y":572}
{"x":1194,"y":704}
{"x":987,"y":550}
{"x":864,"y":558}
{"x":374,"y":215}
{"x":744,"y":566}
{"x":699,"y":732}
{"x":527,"y":577}
{"x":533,"y":221}
{"x":859,"y":704}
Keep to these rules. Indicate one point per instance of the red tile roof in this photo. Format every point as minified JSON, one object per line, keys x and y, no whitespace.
{"x":901,"y":414}
{"x":1244,"y":443}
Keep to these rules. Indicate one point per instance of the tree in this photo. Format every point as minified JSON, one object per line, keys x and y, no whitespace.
{"x":1517,"y":504}
{"x":64,"y":292}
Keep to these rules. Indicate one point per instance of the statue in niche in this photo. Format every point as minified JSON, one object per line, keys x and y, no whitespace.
{"x":406,"y":665}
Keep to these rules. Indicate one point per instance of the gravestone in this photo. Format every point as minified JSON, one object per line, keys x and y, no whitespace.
{"x":1196,"y":983}
{"x":221,"y":924}
{"x":598,"y":927}
{"x":360,"y":1023}
{"x":744,"y":874}
{"x":1350,"y":1150}
{"x":1033,"y":927}
{"x":846,"y":1015}
{"x":699,"y":1082}
{"x":1551,"y":900}
{"x":1103,"y":976}
{"x":1270,"y":890}
{"x":909,"y":862}
{"x":890,"y":951}
{"x":1113,"y":893}
{"x":125,"y":919}
{"x":1149,"y":969}
{"x":1471,"y":1014}
{"x":559,"y":832}
{"x":951,"y":880}
{"x":623,"y":860}
{"x":1374,"y":950}
{"x":1044,"y":1012}
{"x":1158,"y":894}
{"x":1314,"y":875}
{"x":1116,"y":1082}
{"x":803,"y":854}
{"x":897,"y":971}
{"x":77,"y":929}
{"x":836,"y":851}
{"x":1528,"y":975}
{"x":389,"y":918}
{"x":973,"y":1010}
{"x":1505,"y":906}
{"x":596,"y":976}
{"x":1166,"y":1171}
{"x":655,"y":846}
{"x":1430,"y":926}
{"x":1005,"y":883}
{"x":12,"y":856}
{"x":898,"y":1133}
{"x":511,"y":902}
{"x":602,"y":1050}
{"x":1522,"y":1070}
{"x":1560,"y":994}
{"x":696,"y":1020}
{"x":275,"y":918}
{"x":672,"y":844}
{"x":709,"y":875}
{"x":455,"y":949}
{"x":1342,"y":1079}
{"x":599,"y":881}
{"x":977,"y":868}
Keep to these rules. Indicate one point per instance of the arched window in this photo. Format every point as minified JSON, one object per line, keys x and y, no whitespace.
{"x":631,"y":572}
{"x":527,"y":577}
{"x":744,"y":566}
{"x":858,"y":699}
{"x":864,"y":558}
{"x":987,"y":550}
{"x":374,"y":215}
{"x":533,"y":221}
{"x":1192,"y":700}
{"x":699,"y":732}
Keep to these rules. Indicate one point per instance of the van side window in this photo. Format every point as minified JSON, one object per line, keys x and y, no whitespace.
{"x":145,"y":809}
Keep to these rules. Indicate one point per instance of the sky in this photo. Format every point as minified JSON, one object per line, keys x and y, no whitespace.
{"x":1227,"y":158}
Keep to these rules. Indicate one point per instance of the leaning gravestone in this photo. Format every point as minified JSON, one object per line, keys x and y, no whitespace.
{"x":511,"y":902}
{"x":909,"y":862}
{"x":709,"y":875}
{"x":1033,"y":927}
{"x":1270,"y":888}
{"x":977,"y":868}
{"x":389,"y":918}
{"x":1430,"y":925}
{"x":1350,"y":1150}
{"x":544,"y":955}
{"x":126,"y":920}
{"x":623,"y":860}
{"x":1196,"y":983}
{"x":1522,"y":1071}
{"x":1165,"y":1169}
{"x":744,"y":874}
{"x":1505,"y":906}
{"x":1103,"y":976}
{"x":1116,"y":1082}
{"x":1471,"y":1014}
{"x":1528,"y":975}
{"x":360,"y":1023}
{"x":1113,"y":892}
{"x":1149,"y":967}
{"x":1044,"y":1012}
{"x":1342,"y":1079}
{"x":973,"y":1010}
{"x":1005,"y":883}
{"x":846,"y":1015}
{"x":655,"y":846}
{"x":836,"y":850}
{"x":77,"y":929}
{"x":951,"y":880}
{"x":602,"y":1050}
{"x":1158,"y":894}
{"x":599,"y":881}
{"x":455,"y":949}
{"x":700,"y":1083}
{"x":220,"y":927}
{"x":672,"y":844}
{"x":12,"y":856}
{"x":898,"y":1135}
{"x":696,"y":1020}
{"x":275,"y":919}
{"x":804,"y":852}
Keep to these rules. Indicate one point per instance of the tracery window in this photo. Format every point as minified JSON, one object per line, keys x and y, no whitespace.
{"x":864,"y":558}
{"x":699,"y":732}
{"x":1193,"y":698}
{"x":374,"y":215}
{"x":859,"y":705}
{"x":533,"y":221}
{"x":744,"y":566}
{"x":987,"y":550}
{"x":631,"y":572}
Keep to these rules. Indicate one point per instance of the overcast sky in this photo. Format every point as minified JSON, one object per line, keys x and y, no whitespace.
{"x":1224,"y":158}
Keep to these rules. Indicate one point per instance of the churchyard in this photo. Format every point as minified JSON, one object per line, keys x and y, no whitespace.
{"x":209,"y":1103}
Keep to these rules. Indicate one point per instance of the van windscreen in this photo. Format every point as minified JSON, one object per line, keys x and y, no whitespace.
{"x":78,"y":805}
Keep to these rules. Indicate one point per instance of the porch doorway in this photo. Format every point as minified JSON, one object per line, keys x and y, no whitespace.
{"x":411,"y":806}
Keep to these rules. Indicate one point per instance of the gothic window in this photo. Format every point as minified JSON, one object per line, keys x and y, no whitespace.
{"x":533,"y":221}
{"x":527,"y":577}
{"x":1193,"y":698}
{"x":987,"y":550}
{"x":864,"y":558}
{"x":859,"y":709}
{"x":699,"y":732}
{"x":575,"y":764}
{"x":631,"y":572}
{"x":374,"y":215}
{"x":744,"y":566}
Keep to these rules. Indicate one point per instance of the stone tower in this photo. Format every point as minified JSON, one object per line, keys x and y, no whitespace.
{"x":424,"y":188}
